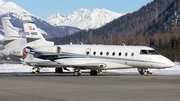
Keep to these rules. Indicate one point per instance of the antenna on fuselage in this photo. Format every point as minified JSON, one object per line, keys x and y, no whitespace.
{"x":124,"y":44}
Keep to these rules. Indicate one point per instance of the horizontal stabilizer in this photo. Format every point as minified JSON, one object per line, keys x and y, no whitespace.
{"x":11,"y":38}
{"x":7,"y":62}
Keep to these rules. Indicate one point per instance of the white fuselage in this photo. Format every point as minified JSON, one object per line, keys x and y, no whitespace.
{"x":113,"y":57}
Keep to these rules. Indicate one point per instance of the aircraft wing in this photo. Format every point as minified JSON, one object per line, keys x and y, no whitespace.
{"x":95,"y":66}
{"x":11,"y":38}
{"x":54,"y":64}
{"x":44,"y":64}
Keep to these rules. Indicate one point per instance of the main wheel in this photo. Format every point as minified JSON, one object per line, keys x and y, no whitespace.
{"x":77,"y":73}
{"x":58,"y":70}
{"x":93,"y":72}
{"x":35,"y":70}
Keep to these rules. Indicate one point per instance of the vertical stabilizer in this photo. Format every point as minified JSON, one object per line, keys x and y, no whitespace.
{"x":12,"y":39}
{"x":9,"y":30}
{"x":33,"y":35}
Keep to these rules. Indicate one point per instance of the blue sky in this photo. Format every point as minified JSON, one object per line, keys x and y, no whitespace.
{"x":45,"y":8}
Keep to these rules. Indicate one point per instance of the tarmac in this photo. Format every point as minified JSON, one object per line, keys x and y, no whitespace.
{"x":103,"y":87}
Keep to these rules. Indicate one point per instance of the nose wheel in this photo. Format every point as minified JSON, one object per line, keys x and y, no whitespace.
{"x":144,"y":71}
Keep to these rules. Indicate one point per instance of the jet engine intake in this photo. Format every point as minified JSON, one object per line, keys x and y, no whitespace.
{"x":48,"y":50}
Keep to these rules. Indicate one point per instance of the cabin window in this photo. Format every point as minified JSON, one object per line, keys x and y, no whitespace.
{"x":107,"y":53}
{"x":113,"y":53}
{"x":101,"y":53}
{"x":119,"y":53}
{"x":143,"y":52}
{"x":87,"y":53}
{"x":94,"y":53}
{"x":153,"y":52}
{"x":132,"y":54}
{"x":126,"y":54}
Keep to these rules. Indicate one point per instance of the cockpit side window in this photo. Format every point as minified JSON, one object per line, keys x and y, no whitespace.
{"x":149,"y":52}
{"x":143,"y":52}
{"x":153,"y":52}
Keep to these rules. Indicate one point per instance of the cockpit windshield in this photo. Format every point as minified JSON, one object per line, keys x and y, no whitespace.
{"x":153,"y":52}
{"x":150,"y":52}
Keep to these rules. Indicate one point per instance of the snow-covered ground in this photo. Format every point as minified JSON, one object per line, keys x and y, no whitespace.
{"x":6,"y":68}
{"x":19,"y":68}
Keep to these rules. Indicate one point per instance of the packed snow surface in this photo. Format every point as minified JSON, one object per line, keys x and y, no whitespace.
{"x":19,"y":68}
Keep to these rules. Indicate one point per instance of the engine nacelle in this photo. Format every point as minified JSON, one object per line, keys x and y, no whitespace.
{"x":16,"y":52}
{"x":48,"y":50}
{"x":28,"y":50}
{"x":5,"y":52}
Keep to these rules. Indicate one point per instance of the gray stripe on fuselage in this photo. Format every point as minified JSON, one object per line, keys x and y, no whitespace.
{"x":65,"y":55}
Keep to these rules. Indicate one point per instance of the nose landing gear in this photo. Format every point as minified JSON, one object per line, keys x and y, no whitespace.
{"x":144,"y":71}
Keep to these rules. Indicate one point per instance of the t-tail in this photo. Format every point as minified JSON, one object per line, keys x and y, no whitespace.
{"x":9,"y":30}
{"x":33,"y":35}
{"x":12,"y":39}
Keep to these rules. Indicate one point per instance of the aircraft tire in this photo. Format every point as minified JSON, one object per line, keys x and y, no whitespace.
{"x":58,"y":70}
{"x":35,"y":70}
{"x":143,"y":71}
{"x":93,"y":72}
{"x":76,"y":73}
{"x":140,"y":70}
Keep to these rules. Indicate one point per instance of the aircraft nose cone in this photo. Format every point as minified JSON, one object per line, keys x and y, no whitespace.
{"x":169,"y":63}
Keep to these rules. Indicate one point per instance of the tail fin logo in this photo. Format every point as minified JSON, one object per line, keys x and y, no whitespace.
{"x":32,"y":28}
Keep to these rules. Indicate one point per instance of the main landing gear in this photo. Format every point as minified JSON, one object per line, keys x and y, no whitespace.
{"x":59,"y":70}
{"x":144,"y":71}
{"x":35,"y":70}
{"x":93,"y":72}
{"x":77,"y":72}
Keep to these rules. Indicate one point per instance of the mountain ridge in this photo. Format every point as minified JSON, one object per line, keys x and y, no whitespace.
{"x":84,"y":18}
{"x":16,"y":13}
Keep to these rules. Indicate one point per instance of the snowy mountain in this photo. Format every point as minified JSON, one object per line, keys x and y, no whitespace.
{"x":16,"y":13}
{"x":10,"y":7}
{"x":84,"y":18}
